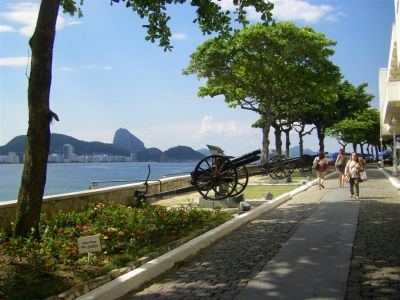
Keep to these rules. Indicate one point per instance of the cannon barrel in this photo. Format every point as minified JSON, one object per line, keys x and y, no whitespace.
{"x":245,"y":161}
{"x":228,"y":164}
{"x":242,"y":160}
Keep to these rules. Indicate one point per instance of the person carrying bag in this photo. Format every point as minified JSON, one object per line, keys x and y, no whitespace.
{"x":353,"y":169}
{"x":340,"y":165}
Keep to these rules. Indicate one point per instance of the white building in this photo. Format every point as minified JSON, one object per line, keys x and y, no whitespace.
{"x":389,"y":85}
{"x":11,"y":158}
{"x":55,"y":158}
{"x":68,"y":153}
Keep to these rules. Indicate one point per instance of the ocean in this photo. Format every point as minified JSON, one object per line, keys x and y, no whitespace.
{"x":74,"y":177}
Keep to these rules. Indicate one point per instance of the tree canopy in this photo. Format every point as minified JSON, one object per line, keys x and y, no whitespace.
{"x":361,"y":128}
{"x":261,"y":67}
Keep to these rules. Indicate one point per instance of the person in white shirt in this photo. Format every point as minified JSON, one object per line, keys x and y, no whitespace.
{"x":353,"y":168}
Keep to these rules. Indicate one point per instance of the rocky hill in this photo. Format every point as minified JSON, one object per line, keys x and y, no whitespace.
{"x":182,"y":153}
{"x":127,"y":141}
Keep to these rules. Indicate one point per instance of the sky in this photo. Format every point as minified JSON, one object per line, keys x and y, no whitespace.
{"x":107,"y":76}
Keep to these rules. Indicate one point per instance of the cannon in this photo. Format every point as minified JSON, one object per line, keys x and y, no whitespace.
{"x":217,"y":177}
{"x":281,"y":167}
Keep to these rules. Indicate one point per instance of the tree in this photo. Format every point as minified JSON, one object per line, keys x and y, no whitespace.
{"x":210,"y":18}
{"x":348,"y":102}
{"x":360,"y":129}
{"x":260,"y":66}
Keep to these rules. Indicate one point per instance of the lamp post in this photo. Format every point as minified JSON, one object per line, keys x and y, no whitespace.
{"x":394,"y":123}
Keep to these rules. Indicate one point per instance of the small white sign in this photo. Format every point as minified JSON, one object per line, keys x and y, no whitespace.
{"x":89,"y":244}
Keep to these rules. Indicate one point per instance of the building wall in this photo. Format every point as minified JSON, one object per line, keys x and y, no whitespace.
{"x":389,"y":80}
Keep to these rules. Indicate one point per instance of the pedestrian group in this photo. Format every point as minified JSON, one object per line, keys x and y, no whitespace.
{"x":352,"y":171}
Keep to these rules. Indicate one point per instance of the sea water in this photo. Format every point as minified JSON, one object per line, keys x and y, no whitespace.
{"x":74,"y":177}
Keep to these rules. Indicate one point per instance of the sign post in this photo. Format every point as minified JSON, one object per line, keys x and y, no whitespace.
{"x":89,"y":244}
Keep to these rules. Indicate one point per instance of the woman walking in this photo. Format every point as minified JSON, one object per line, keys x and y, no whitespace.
{"x":340,"y":165}
{"x":321,"y":165}
{"x":353,"y":168}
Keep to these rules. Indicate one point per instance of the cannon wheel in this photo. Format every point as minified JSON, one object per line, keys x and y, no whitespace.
{"x":307,"y":161}
{"x":281,"y":169}
{"x":215,"y":178}
{"x":243,"y":180}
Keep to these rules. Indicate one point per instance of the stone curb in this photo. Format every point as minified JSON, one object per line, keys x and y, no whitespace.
{"x":137,"y":277}
{"x":394,"y":181}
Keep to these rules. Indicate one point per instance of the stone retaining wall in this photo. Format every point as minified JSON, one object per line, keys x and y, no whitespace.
{"x":123,"y":194}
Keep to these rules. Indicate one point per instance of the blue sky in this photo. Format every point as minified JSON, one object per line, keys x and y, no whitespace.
{"x":106,"y":76}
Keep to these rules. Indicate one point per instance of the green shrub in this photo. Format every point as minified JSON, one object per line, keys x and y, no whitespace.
{"x":125,"y":234}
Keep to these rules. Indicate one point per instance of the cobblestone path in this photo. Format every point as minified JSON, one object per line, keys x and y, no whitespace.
{"x":222,"y":270}
{"x":375,"y":266}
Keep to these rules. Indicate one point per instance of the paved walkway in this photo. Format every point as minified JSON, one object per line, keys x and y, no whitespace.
{"x":310,"y":238}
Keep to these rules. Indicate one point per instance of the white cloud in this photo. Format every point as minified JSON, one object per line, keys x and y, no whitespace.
{"x":86,"y":67}
{"x":300,"y":10}
{"x":179,"y":36}
{"x":25,"y":14}
{"x":292,"y":10}
{"x":226,"y":4}
{"x":68,"y":69}
{"x":229,"y":129}
{"x":5,"y":28}
{"x":18,"y":61}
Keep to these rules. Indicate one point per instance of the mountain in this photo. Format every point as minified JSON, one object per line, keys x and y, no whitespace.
{"x":151,"y":154}
{"x":57,"y":141}
{"x":204,"y":151}
{"x":127,"y":141}
{"x":295,"y":151}
{"x":181,"y":154}
{"x":16,"y":145}
{"x":174,"y":154}
{"x":124,"y":144}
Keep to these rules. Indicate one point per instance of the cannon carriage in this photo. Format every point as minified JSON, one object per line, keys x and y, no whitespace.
{"x":218,"y":177}
{"x":281,"y":167}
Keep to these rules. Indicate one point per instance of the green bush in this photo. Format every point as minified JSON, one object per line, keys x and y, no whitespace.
{"x":125,"y":233}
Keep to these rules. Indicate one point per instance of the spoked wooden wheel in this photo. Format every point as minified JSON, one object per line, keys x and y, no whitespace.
{"x":280,"y":169}
{"x":215,"y":178}
{"x":243,"y":180}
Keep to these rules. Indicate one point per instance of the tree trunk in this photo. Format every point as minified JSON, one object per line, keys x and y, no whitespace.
{"x":376,"y":152}
{"x":355,"y":147}
{"x":265,"y":142}
{"x":362,"y":149}
{"x":301,"y":135}
{"x":301,"y":142}
{"x":266,"y":116}
{"x":38,"y":136}
{"x":321,"y":138}
{"x":287,"y":142}
{"x":278,"y":139}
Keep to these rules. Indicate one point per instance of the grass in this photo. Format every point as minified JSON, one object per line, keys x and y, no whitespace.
{"x":257,"y":191}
